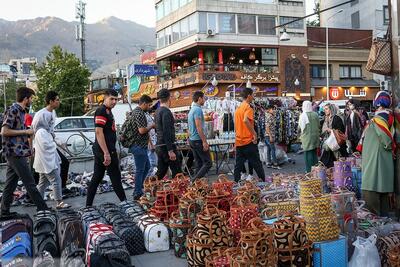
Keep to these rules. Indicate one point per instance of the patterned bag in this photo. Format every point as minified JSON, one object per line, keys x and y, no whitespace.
{"x":131,"y":234}
{"x":291,"y":241}
{"x":167,"y":202}
{"x":219,"y":199}
{"x":200,"y":187}
{"x":251,"y":191}
{"x":342,"y":175}
{"x":180,"y":228}
{"x":379,"y":60}
{"x":218,"y":258}
{"x":280,"y":208}
{"x":394,"y":256}
{"x":386,"y":244}
{"x":223,"y":184}
{"x":309,"y":187}
{"x":180,"y":183}
{"x":321,"y":172}
{"x":197,"y":250}
{"x":189,"y":206}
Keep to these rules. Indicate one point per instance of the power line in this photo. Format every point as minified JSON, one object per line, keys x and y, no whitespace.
{"x":352,"y":42}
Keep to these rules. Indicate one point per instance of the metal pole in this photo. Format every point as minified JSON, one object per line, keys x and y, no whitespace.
{"x":327,"y":60}
{"x":4,"y":93}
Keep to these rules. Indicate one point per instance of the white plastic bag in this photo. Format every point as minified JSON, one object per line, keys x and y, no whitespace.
{"x":365,"y":254}
{"x":331,"y":142}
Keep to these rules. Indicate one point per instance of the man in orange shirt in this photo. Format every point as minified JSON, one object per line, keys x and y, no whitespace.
{"x":246,"y":137}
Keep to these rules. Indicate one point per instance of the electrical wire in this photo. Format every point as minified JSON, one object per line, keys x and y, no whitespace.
{"x":353,"y":42}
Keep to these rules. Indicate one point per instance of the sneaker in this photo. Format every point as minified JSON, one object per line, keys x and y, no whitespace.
{"x":269,"y":165}
{"x":243,"y":177}
{"x":249,"y":177}
{"x":276,"y":167}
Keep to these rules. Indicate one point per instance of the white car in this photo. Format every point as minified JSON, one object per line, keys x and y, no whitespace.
{"x":76,"y":134}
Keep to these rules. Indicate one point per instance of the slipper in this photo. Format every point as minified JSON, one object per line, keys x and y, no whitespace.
{"x":63,"y":205}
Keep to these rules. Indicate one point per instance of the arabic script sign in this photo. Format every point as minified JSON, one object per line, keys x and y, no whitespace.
{"x":143,"y":70}
{"x":269,"y":77}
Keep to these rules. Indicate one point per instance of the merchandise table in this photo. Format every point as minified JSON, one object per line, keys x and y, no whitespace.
{"x":222,"y":146}
{"x":182,"y":147}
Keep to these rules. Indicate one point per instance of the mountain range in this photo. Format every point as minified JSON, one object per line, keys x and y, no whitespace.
{"x":35,"y":38}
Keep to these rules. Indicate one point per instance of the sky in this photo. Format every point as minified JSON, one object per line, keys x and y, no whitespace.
{"x":139,"y":11}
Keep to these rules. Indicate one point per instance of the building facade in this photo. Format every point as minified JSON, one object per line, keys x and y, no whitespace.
{"x":236,"y":42}
{"x":348,"y":55}
{"x":24,"y":69}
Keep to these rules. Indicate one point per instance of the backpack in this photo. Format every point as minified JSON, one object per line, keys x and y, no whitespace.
{"x":44,"y":232}
{"x":131,"y":234}
{"x":126,"y":135}
{"x":18,"y":245}
{"x":73,"y":256}
{"x":70,"y":230}
{"x":44,"y":259}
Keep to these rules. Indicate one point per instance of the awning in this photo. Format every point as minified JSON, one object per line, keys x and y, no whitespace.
{"x":344,"y":83}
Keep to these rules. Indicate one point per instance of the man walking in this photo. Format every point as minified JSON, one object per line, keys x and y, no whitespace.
{"x":140,"y":140}
{"x":246,"y":137}
{"x":270,"y":138}
{"x":165,"y":127}
{"x":197,"y":139}
{"x":16,"y":150}
{"x":104,"y":151}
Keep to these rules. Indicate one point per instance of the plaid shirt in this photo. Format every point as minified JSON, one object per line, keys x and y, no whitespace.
{"x":15,"y":146}
{"x":270,"y":124}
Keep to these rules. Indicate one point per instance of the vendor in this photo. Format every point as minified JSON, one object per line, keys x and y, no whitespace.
{"x":377,"y":160}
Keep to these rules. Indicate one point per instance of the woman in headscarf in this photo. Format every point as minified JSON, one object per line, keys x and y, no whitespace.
{"x":378,"y":150}
{"x":47,"y":161}
{"x":310,"y":132}
{"x":332,"y":122}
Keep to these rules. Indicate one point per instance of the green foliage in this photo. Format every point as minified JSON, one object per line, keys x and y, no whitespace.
{"x":62,"y":72}
{"x":11,"y":89}
{"x":317,"y":21}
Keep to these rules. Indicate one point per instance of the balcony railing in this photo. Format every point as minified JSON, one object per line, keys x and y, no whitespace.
{"x":219,"y":68}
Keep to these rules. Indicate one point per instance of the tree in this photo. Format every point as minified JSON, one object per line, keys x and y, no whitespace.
{"x":11,"y":89}
{"x":62,"y":72}
{"x":316,"y":22}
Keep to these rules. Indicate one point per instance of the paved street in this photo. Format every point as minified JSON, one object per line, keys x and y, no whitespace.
{"x":164,"y":259}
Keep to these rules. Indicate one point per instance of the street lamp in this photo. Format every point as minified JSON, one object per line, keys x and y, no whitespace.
{"x":327,"y":52}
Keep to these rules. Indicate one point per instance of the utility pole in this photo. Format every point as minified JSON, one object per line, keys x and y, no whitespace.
{"x":80,"y":11}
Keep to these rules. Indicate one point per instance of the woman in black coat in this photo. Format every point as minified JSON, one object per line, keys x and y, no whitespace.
{"x":332,"y":122}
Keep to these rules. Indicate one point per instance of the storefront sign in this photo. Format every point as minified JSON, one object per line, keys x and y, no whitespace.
{"x":334,"y":93}
{"x":220,"y":76}
{"x":148,"y":58}
{"x":187,"y":79}
{"x":149,"y":89}
{"x":349,"y":94}
{"x":166,"y":85}
{"x":269,"y":77}
{"x":186,"y":94}
{"x":211,"y":91}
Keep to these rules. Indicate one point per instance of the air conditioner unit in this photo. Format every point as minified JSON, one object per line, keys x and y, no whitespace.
{"x":210,"y":32}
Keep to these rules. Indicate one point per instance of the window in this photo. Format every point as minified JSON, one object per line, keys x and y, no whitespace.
{"x":290,"y":3}
{"x":247,"y":24}
{"x":160,"y":10}
{"x":294,"y":25}
{"x":202,"y":22}
{"x":355,"y":20}
{"x":174,"y":5}
{"x":167,"y":7}
{"x":355,"y":2}
{"x":385,"y":15}
{"x":89,"y":122}
{"x":212,"y":21}
{"x":319,"y":71}
{"x":70,"y":124}
{"x":175,"y":32}
{"x":161,"y":39}
{"x":227,"y":23}
{"x":193,"y":24}
{"x":184,"y":27}
{"x":269,"y":56}
{"x":168,"y":35}
{"x":266,"y":25}
{"x":350,"y":72}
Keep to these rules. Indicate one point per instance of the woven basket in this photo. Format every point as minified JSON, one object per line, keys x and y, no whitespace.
{"x":394,"y":256}
{"x":223,"y":184}
{"x":251,"y":191}
{"x":280,"y":208}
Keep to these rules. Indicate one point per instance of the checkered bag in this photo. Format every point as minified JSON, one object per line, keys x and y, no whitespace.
{"x":379,"y":60}
{"x":131,"y":234}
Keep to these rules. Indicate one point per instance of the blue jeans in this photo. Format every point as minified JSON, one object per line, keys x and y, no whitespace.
{"x":142,"y":165}
{"x":271,"y":151}
{"x":153,"y":161}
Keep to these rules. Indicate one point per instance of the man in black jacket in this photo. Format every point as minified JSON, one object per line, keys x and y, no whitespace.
{"x":165,"y":126}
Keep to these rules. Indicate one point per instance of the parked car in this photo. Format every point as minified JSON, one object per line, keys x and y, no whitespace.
{"x":76,"y":134}
{"x":119,"y":111}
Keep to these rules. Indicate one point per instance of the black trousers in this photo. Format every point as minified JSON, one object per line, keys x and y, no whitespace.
{"x":202,"y":159}
{"x":164,"y":163}
{"x":99,"y":169}
{"x":248,"y":152}
{"x":18,"y":168}
{"x":64,"y":167}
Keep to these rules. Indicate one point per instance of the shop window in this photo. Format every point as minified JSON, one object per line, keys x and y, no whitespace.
{"x":212,"y":21}
{"x":184,"y":27}
{"x":294,"y":25}
{"x":175,"y":32}
{"x":193,"y":24}
{"x":355,"y":20}
{"x":266,"y":25}
{"x":247,"y":24}
{"x":202,"y":22}
{"x":161,"y":39}
{"x":227,"y":23}
{"x":269,"y":56}
{"x":319,"y":71}
{"x":350,"y":72}
{"x":385,"y":15}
